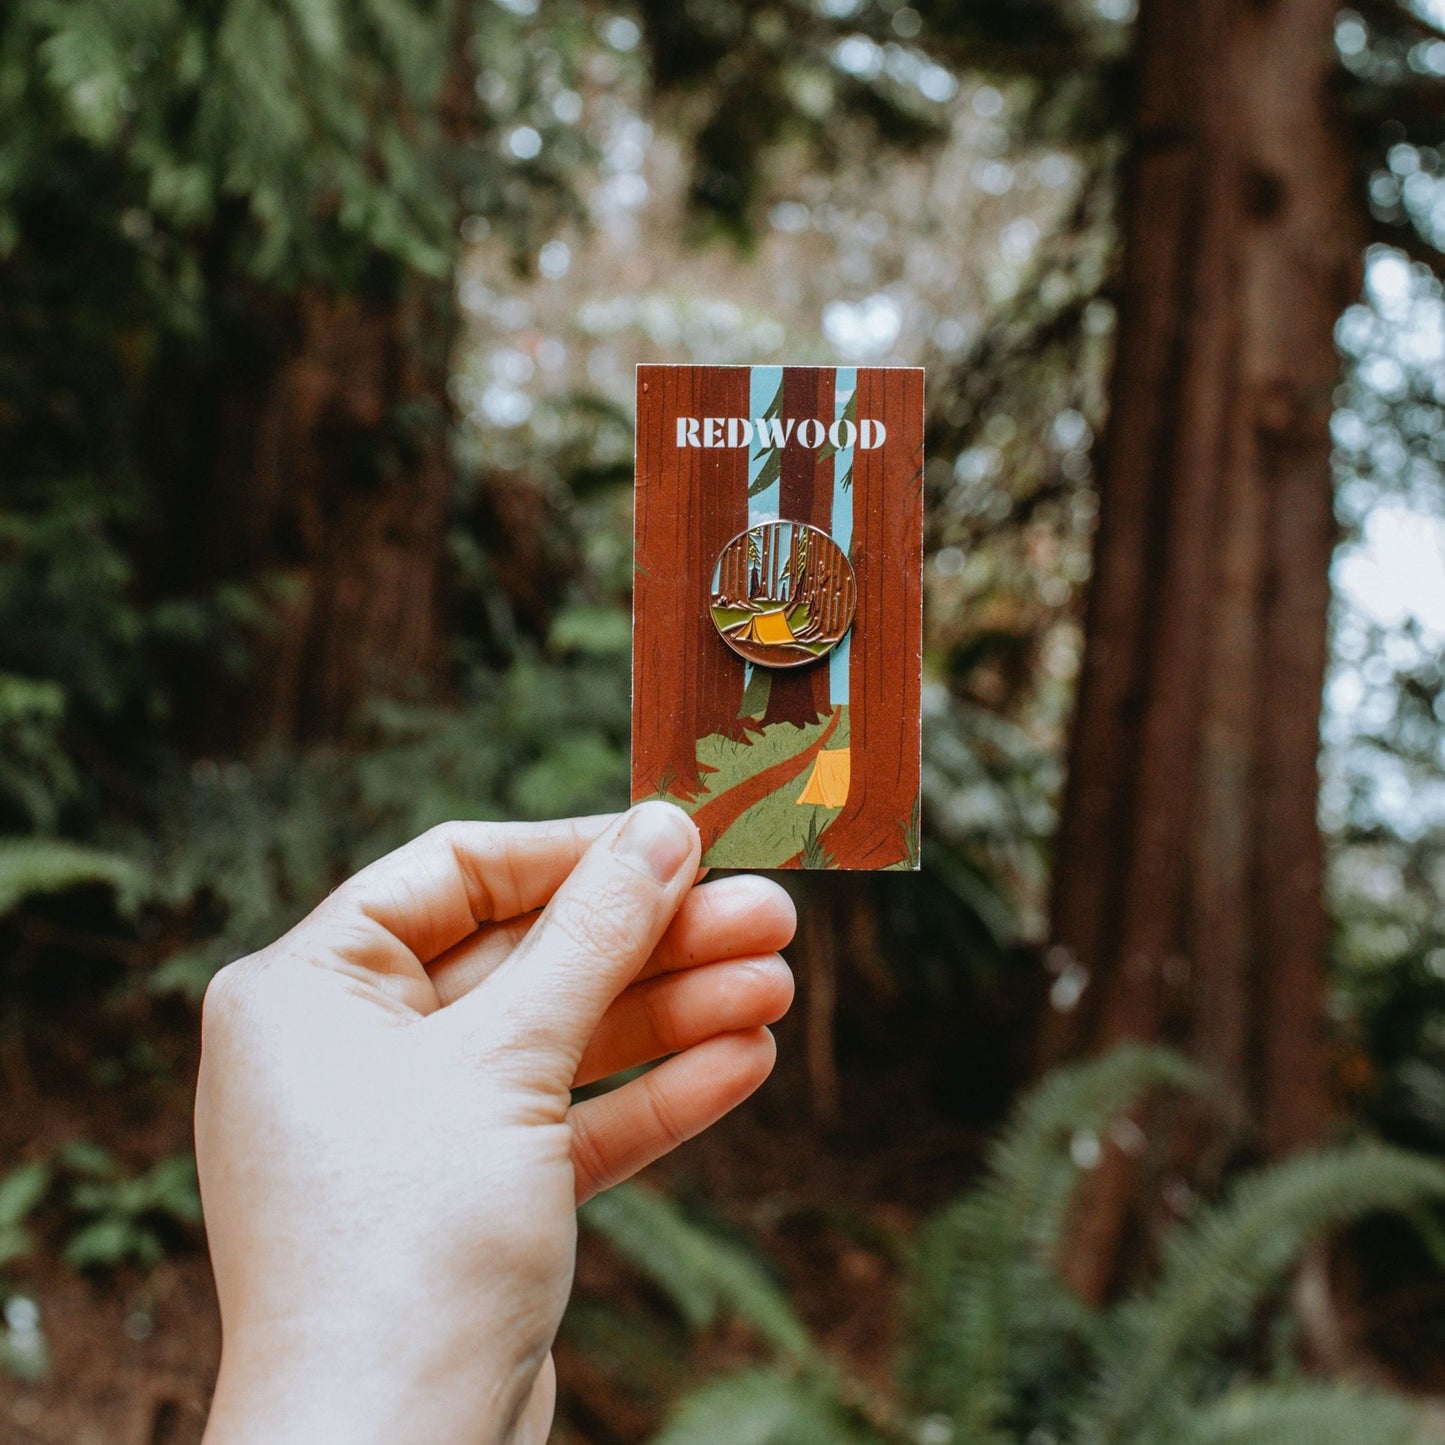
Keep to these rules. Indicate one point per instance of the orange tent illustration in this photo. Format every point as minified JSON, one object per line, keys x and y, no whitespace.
{"x":768,"y":628}
{"x":828,"y":782}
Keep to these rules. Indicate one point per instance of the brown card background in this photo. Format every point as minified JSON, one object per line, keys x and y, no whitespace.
{"x":737,"y":754}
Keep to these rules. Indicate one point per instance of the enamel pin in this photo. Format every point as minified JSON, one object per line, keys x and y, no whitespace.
{"x":783,"y":594}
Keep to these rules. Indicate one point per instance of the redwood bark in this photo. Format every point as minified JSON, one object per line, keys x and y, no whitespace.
{"x":799,"y":695}
{"x":687,"y":683}
{"x":311,"y":465}
{"x":887,"y":638}
{"x":1189,"y":864}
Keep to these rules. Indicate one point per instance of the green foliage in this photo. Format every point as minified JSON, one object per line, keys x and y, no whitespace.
{"x":39,"y":773}
{"x":127,"y":1218}
{"x":30,"y":867}
{"x":1302,"y":1414}
{"x":814,"y":853}
{"x":998,"y":1348}
{"x":798,"y":71}
{"x":591,"y":631}
{"x":69,"y":634}
{"x":703,"y":1275}
{"x":120,"y":1218}
{"x":990,"y":1321}
{"x":171,"y":178}
{"x":989,"y":793}
{"x":251,"y":846}
{"x":1160,"y":1346}
{"x":764,"y":1407}
{"x":24,"y":1350}
{"x":21,"y":1192}
{"x":316,"y":120}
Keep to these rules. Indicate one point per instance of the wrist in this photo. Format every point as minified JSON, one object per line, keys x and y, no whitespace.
{"x":281,"y":1389}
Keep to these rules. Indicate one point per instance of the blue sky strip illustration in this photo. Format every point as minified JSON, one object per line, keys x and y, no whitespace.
{"x":763,"y":385}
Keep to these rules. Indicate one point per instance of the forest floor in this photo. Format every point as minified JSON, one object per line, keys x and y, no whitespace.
{"x":134,"y":1352}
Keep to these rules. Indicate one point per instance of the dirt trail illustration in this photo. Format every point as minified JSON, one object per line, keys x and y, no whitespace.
{"x":718,"y":814}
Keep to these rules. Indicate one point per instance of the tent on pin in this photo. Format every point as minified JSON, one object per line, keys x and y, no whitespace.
{"x":828,"y":782}
{"x":770,"y":629}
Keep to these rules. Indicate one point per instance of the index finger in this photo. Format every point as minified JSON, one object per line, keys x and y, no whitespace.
{"x":434,"y":891}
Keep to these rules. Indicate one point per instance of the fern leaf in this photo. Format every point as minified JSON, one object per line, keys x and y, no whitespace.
{"x":986,"y":1308}
{"x":1215,"y":1272}
{"x":30,"y":867}
{"x":1032,"y":1165}
{"x":763,"y":1407}
{"x":768,"y":473}
{"x":1302,"y":1414}
{"x":702,"y":1274}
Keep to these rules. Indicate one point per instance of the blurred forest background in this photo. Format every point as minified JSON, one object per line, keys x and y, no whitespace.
{"x":317,"y":325}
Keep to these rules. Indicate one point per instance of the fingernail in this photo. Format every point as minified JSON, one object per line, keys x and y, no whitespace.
{"x":658,"y":838}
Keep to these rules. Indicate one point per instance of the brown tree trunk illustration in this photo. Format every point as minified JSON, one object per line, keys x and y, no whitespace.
{"x":316,"y":463}
{"x":828,"y":591}
{"x":805,"y":494}
{"x":733,"y":578}
{"x":687,"y":683}
{"x":1188,"y":867}
{"x":887,"y":638}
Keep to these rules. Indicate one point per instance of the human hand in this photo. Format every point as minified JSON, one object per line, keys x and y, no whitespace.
{"x":389,"y":1157}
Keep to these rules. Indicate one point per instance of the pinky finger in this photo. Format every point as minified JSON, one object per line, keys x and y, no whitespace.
{"x":616,"y":1134}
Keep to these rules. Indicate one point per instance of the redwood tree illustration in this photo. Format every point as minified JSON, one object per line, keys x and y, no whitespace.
{"x":799,"y":695}
{"x":887,"y":638}
{"x":686,"y":683}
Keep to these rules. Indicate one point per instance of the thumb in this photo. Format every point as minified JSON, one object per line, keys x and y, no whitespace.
{"x":593,"y":938}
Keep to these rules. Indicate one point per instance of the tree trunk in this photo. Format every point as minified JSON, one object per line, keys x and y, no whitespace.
{"x":887,"y":638}
{"x":799,"y":695}
{"x":318,"y":477}
{"x":1188,"y":867}
{"x":687,"y":684}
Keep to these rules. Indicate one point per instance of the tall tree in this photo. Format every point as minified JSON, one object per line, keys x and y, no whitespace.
{"x":686,"y":685}
{"x":324,"y":469}
{"x":799,"y":695}
{"x":1188,"y":866}
{"x":258,"y":208}
{"x":887,"y":636}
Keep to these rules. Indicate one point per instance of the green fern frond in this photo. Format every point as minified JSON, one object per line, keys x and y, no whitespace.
{"x":764,"y":1407}
{"x":30,"y":867}
{"x":1031,"y":1168}
{"x":987,"y":1310}
{"x":703,"y":1275}
{"x":1216,"y":1271}
{"x":768,"y":473}
{"x":1302,"y":1414}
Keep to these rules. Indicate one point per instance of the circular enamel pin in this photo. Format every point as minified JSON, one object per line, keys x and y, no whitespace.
{"x":783,"y":594}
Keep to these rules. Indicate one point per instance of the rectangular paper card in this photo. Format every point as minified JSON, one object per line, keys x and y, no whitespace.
{"x":777,"y":617}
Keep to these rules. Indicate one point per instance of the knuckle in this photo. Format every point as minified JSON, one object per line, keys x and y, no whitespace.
{"x":658,"y":1015}
{"x":473,"y":850}
{"x":227,"y":995}
{"x":587,"y":1158}
{"x":449,"y":834}
{"x":708,"y":919}
{"x":669,"y":1126}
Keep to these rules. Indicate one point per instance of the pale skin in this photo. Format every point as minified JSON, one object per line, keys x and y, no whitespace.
{"x":390,"y":1160}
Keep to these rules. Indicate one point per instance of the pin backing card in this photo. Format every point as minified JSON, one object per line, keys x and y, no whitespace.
{"x":777,"y":616}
